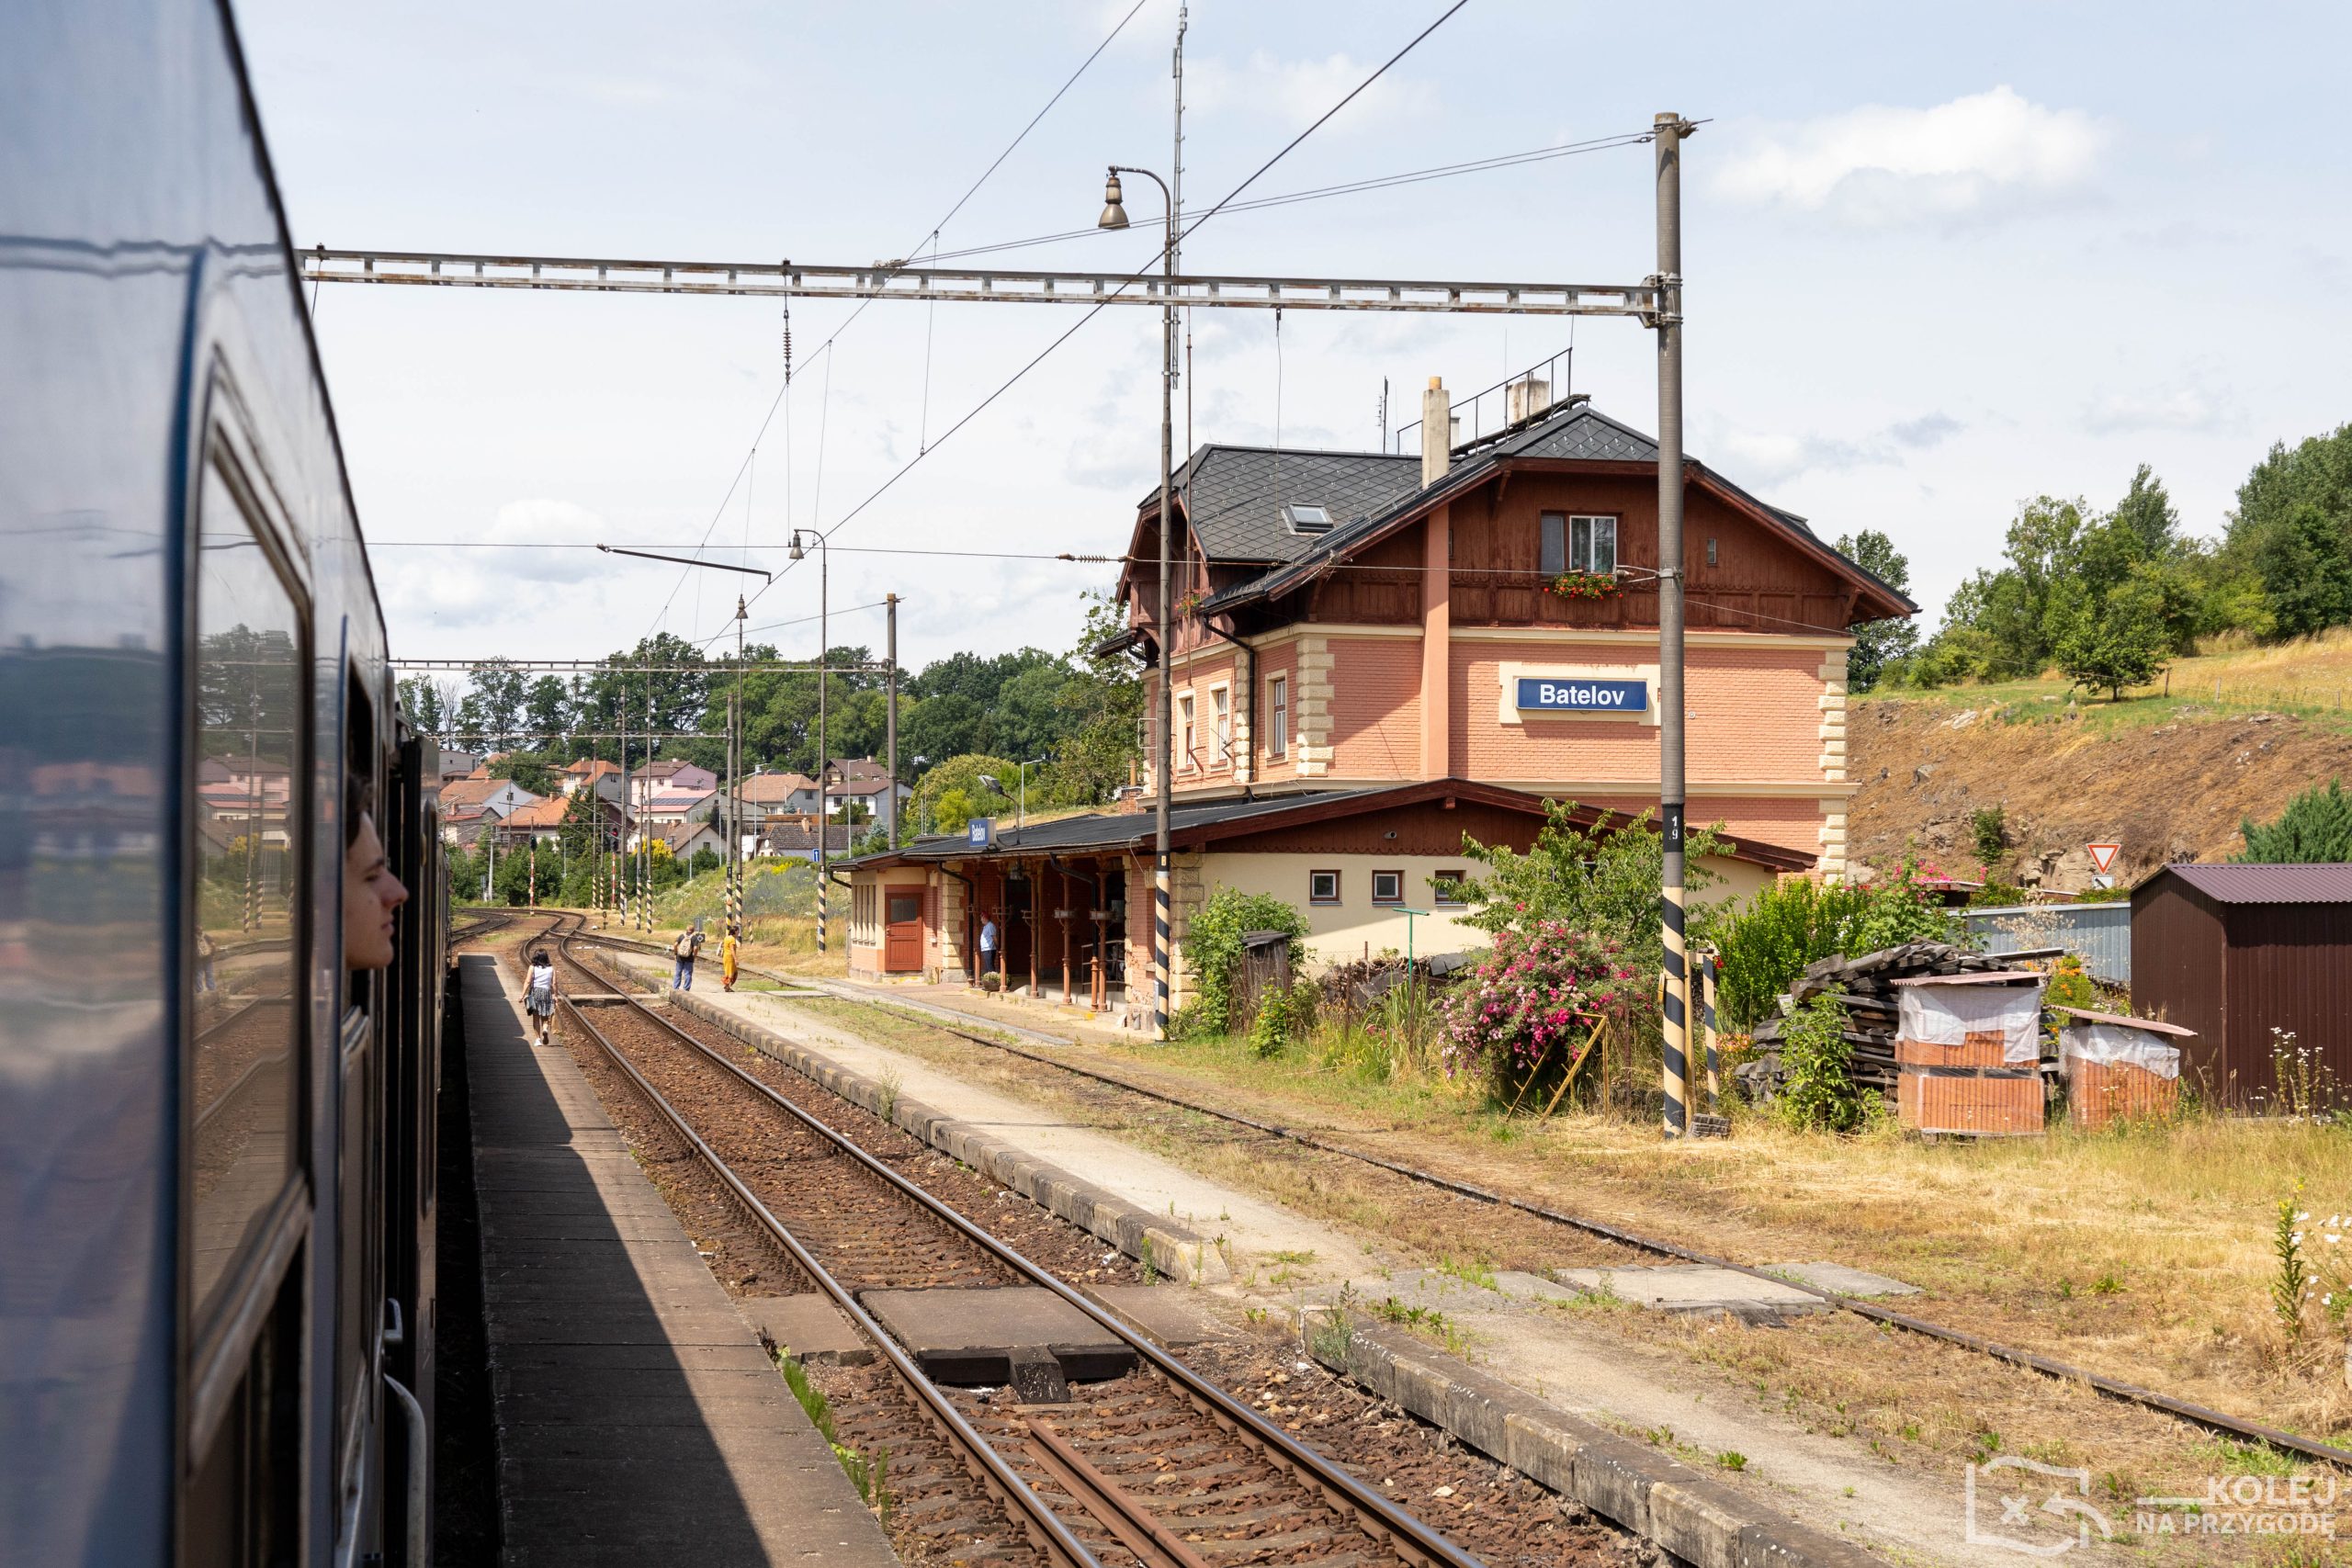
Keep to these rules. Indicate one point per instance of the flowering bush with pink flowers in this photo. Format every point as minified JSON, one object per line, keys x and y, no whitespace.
{"x":1532,"y":1001}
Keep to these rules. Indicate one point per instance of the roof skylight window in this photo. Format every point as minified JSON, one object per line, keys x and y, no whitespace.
{"x":1306,"y":519}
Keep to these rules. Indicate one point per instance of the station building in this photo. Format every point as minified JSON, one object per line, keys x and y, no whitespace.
{"x":1375,"y":655}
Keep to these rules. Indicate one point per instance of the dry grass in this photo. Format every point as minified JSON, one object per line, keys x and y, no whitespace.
{"x":2142,"y":1252}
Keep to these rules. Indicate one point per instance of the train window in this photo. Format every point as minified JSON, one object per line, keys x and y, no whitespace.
{"x":245,"y":1073}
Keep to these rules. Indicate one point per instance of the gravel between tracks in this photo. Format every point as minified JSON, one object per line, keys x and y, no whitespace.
{"x":1224,"y":1497}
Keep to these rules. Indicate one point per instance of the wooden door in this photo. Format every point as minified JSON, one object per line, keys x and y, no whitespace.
{"x":903,"y":929}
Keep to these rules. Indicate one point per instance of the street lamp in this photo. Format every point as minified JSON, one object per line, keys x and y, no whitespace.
{"x":798,"y":551}
{"x":1114,"y":216}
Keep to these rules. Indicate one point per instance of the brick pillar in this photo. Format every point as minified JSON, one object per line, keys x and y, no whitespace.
{"x":1833,"y":761}
{"x":1311,"y":707}
{"x":1437,"y":644}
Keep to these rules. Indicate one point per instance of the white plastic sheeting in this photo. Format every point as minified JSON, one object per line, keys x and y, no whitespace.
{"x":1948,"y":1015}
{"x":2112,"y":1043}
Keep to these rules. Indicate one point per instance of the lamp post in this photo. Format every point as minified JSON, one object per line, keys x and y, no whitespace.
{"x":824,"y":646}
{"x":1114,"y":216}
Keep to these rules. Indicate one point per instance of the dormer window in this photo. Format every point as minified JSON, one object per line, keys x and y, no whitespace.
{"x":1306,"y":519}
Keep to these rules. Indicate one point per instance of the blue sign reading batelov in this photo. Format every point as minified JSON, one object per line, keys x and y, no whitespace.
{"x":1574,"y":694}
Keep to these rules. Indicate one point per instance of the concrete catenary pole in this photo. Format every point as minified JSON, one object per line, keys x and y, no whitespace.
{"x":1670,"y":131}
{"x":891,"y":715}
{"x":620,"y":837}
{"x":824,"y":646}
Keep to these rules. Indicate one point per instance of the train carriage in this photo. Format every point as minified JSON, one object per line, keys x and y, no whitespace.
{"x":215,"y":1147}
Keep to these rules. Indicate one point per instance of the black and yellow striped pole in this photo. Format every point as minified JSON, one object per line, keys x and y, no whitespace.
{"x":1709,"y":962}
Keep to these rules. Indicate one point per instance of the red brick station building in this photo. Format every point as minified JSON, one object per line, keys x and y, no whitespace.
{"x":1372,"y":659}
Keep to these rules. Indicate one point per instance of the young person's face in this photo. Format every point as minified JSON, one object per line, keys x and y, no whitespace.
{"x":371,"y":894}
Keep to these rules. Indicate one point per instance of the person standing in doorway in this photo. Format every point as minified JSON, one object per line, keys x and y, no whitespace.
{"x":987,"y":944}
{"x":688,"y":945}
{"x":539,"y":992}
{"x":729,"y":952}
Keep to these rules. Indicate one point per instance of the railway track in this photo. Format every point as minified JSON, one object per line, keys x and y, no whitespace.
{"x":2217,"y":1421}
{"x":1159,"y":1467}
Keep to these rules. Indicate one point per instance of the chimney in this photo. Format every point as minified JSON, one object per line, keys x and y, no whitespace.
{"x":1436,"y":433}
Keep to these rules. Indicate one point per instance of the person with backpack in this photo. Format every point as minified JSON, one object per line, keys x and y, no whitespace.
{"x":684,"y":950}
{"x":730,"y":950}
{"x":538,"y":991}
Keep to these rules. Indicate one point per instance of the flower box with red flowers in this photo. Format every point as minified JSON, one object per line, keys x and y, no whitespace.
{"x":1585,"y":585}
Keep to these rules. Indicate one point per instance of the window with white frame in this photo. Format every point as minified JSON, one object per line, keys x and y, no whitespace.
{"x":1278,"y":710}
{"x":1576,"y":542}
{"x":1185,"y":733}
{"x":1451,"y":886}
{"x":1322,"y":886}
{"x":1221,"y":720}
{"x":1387,"y":886}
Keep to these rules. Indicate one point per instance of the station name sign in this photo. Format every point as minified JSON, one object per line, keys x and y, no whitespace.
{"x":1577,"y":693}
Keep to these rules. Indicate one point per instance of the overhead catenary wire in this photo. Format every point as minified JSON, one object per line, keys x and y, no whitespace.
{"x":1177,"y":238}
{"x":826,"y":348}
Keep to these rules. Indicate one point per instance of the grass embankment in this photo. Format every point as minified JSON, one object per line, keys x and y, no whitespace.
{"x":2309,"y":678}
{"x":2144,"y":1253}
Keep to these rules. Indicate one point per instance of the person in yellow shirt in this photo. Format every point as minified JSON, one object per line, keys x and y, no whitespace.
{"x":728,"y":949}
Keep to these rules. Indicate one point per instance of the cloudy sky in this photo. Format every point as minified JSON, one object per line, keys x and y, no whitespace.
{"x":1941,"y":258}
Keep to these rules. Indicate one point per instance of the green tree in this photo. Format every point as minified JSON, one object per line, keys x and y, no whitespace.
{"x":1102,"y":705}
{"x":960,"y":777}
{"x":2121,"y":642}
{"x":421,"y":699}
{"x":528,"y":768}
{"x":1606,"y":880}
{"x":547,"y":712}
{"x":1878,"y":643}
{"x":2306,"y":571}
{"x":2146,"y":513}
{"x":2314,"y":829}
{"x":1212,"y":949}
{"x":495,"y":699}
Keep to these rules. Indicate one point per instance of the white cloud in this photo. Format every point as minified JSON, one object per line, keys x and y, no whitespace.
{"x":1769,"y":456}
{"x":1882,"y":167}
{"x":1297,"y":91}
{"x":2157,"y":408}
{"x":471,"y":587}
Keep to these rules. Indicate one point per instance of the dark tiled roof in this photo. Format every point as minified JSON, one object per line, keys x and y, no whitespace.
{"x":1237,"y":494}
{"x":1578,"y":433}
{"x":2270,"y":883}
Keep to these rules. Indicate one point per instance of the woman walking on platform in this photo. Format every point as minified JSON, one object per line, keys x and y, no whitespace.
{"x":730,"y":950}
{"x":539,"y":992}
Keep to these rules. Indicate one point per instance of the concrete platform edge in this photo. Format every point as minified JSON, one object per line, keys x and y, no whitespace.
{"x":1661,"y":1500}
{"x":1174,"y":1250}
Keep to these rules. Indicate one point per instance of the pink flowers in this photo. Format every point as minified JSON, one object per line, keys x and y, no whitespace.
{"x":1536,"y":992}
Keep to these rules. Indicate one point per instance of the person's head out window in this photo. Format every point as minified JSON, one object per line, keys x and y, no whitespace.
{"x":370,"y":891}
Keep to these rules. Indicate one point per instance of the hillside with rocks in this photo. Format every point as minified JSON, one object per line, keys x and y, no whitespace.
{"x":2171,"y":782}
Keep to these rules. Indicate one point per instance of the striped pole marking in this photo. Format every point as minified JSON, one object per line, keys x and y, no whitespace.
{"x":1160,"y":938}
{"x":1677,"y":1027}
{"x":1709,"y":964}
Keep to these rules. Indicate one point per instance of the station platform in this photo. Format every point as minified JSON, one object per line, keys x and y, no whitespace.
{"x":639,"y":1418}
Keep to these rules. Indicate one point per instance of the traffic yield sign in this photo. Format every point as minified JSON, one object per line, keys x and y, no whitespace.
{"x":2103,"y":857}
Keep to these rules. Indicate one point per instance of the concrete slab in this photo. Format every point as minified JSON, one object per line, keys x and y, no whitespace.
{"x":1175,"y":1317}
{"x":968,"y":1337}
{"x":807,"y":1328}
{"x":1696,"y":1288}
{"x":1845,"y":1282}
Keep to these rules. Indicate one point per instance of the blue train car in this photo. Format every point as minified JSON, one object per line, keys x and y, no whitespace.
{"x":216,"y":1144}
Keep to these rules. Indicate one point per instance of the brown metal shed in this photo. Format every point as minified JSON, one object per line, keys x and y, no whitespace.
{"x":2233,"y":951}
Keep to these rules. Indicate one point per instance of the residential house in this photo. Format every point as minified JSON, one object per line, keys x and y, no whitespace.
{"x":457,"y":764}
{"x":586,"y":773}
{"x":467,"y":804}
{"x":546,"y":821}
{"x":675,"y":805}
{"x":1379,"y":655}
{"x":689,"y":839}
{"x":664,"y":775}
{"x":763,"y":797}
{"x":796,"y":838}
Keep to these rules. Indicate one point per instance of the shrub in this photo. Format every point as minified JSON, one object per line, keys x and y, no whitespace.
{"x":1606,"y":879}
{"x":1282,"y":1017}
{"x":1767,"y":944}
{"x":2316,"y":825}
{"x":1818,"y":1093}
{"x":1990,"y":827}
{"x":1532,"y":1002}
{"x":1213,"y":946}
{"x":992,"y":982}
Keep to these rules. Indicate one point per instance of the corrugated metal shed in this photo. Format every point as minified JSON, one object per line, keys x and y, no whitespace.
{"x":2238,"y":952}
{"x":2270,"y":883}
{"x":2098,"y":934}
